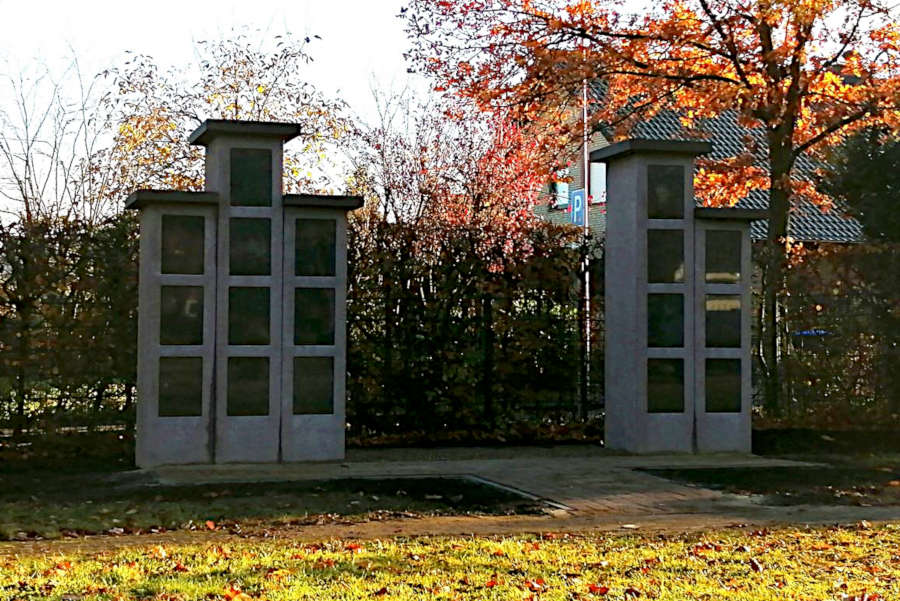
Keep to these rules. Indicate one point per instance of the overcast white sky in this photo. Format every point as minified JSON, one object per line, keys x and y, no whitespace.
{"x":361,"y":39}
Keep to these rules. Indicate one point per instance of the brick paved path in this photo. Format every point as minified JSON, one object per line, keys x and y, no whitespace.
{"x":596,"y":490}
{"x":583,"y":480}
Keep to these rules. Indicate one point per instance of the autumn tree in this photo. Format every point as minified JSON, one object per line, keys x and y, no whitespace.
{"x":154,"y":110}
{"x":807,"y":73}
{"x":864,"y":172}
{"x":445,"y":305}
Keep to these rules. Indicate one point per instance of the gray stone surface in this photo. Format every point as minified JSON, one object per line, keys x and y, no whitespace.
{"x":233,"y":429}
{"x":641,"y":418}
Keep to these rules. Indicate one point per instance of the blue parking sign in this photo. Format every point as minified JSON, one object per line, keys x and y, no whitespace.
{"x":577,"y":204}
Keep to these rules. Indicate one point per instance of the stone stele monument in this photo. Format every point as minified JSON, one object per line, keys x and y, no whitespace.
{"x":677,"y":307}
{"x":242,"y":310}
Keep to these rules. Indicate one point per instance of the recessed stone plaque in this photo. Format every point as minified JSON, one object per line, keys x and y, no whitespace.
{"x":251,"y":177}
{"x":665,"y":320}
{"x":180,"y":386}
{"x":723,"y":256}
{"x":182,"y":244}
{"x":313,"y":385}
{"x":314,"y":246}
{"x":723,"y":385}
{"x":248,"y":386}
{"x":313,"y":316}
{"x":181,"y":315}
{"x":251,"y":246}
{"x":723,"y":321}
{"x":248,"y":315}
{"x":665,"y":385}
{"x":665,"y":191}
{"x":665,"y":256}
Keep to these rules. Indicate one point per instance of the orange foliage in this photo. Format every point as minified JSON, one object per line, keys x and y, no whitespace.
{"x":809,"y":72}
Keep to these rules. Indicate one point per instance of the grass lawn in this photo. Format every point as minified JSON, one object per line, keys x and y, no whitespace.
{"x":53,"y":504}
{"x":736,"y":564}
{"x":860,"y":480}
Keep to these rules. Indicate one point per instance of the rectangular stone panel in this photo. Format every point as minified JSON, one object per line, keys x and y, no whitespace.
{"x":723,"y":256}
{"x":181,"y":315}
{"x":313,"y":385}
{"x":315,"y":247}
{"x":250,"y":251}
{"x":723,"y":385}
{"x":665,"y":191}
{"x":181,"y":249}
{"x":723,"y":321}
{"x":248,"y":386}
{"x":665,"y":320}
{"x":251,"y":177}
{"x":313,"y":316}
{"x":248,"y":315}
{"x":665,"y":256}
{"x":180,"y":387}
{"x":665,"y":385}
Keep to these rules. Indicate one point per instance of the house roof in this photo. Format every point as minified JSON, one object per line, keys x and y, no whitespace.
{"x":807,"y":222}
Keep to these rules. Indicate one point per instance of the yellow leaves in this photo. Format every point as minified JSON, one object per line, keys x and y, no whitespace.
{"x":724,"y":183}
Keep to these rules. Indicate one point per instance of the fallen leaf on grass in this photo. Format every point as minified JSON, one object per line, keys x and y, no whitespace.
{"x":755,"y":565}
{"x":235,"y":594}
{"x":597,"y":589}
{"x":382,"y":591}
{"x":535,"y":586}
{"x":273,"y":574}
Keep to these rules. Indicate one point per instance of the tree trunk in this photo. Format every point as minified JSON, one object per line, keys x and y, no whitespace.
{"x":21,"y":386}
{"x":487,"y":373}
{"x":776,"y":262}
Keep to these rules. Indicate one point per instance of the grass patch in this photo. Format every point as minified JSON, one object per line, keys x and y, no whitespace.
{"x":873,"y":481}
{"x":736,"y":564}
{"x":50,"y":505}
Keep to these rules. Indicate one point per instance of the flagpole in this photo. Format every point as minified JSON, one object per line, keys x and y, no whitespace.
{"x":587,"y":257}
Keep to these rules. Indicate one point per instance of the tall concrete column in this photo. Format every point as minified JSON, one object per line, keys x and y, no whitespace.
{"x":242,"y":310}
{"x":669,"y":388}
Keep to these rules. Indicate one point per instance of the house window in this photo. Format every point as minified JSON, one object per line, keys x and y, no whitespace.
{"x":559,"y":193}
{"x":598,"y":183}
